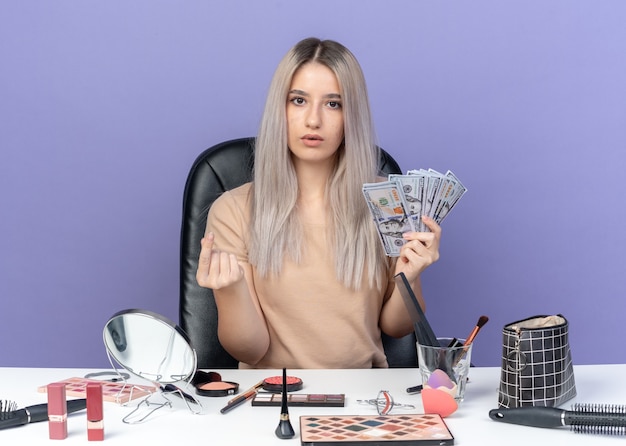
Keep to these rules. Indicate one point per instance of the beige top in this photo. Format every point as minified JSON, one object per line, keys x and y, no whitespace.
{"x":314,"y":321}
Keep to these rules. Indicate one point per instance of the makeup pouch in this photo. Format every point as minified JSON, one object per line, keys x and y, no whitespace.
{"x":537,"y":367}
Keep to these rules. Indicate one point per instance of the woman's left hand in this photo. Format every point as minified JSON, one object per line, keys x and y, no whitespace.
{"x":420,"y":251}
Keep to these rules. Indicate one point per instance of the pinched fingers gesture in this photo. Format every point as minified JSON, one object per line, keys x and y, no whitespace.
{"x":217,"y":269}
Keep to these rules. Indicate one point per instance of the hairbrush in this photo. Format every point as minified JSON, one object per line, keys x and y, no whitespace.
{"x":11,"y":416}
{"x":605,"y":419}
{"x":7,"y":408}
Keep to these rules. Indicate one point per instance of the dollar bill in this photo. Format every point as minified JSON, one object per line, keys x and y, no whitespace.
{"x":449,"y":195}
{"x":441,"y":192}
{"x":398,"y":204}
{"x":414,"y":192}
{"x":389,"y":212}
{"x":434,"y":182}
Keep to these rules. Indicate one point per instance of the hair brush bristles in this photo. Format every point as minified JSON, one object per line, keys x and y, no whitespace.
{"x":6,"y":408}
{"x":599,"y":430}
{"x":603,"y":419}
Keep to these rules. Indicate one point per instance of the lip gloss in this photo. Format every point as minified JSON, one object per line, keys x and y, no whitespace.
{"x":57,"y":411}
{"x":95,"y":425}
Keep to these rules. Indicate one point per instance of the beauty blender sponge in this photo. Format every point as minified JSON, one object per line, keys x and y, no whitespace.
{"x":439,"y":378}
{"x":439,"y":402}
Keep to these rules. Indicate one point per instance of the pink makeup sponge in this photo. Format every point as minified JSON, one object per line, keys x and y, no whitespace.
{"x":439,"y":402}
{"x":441,"y":381}
{"x":439,"y":378}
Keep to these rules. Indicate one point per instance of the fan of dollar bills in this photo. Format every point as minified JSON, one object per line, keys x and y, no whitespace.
{"x":397,"y":205}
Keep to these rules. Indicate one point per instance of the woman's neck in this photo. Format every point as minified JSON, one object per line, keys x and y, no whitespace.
{"x":312,"y":183}
{"x":312,"y":177}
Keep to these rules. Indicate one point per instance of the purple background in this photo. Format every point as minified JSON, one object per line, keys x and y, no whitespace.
{"x":105,"y":105}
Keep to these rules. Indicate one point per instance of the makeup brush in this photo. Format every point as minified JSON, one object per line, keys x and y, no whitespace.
{"x":479,"y":324}
{"x":604,"y":419}
{"x":481,"y":321}
{"x":423,"y":331}
{"x":284,"y":429}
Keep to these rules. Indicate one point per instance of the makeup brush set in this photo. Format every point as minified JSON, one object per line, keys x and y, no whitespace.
{"x":423,"y":331}
{"x":444,"y":363}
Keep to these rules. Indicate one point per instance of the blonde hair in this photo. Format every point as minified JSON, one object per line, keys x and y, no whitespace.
{"x":276,"y":230}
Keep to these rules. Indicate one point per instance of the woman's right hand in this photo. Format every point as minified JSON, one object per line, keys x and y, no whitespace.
{"x":217,"y":269}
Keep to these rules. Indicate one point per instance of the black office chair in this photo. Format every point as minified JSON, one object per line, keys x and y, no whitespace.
{"x":218,"y":169}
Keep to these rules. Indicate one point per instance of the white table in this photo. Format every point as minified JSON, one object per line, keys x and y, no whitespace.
{"x":246,"y":425}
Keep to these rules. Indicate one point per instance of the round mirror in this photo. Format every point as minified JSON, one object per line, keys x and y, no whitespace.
{"x":149,"y":346}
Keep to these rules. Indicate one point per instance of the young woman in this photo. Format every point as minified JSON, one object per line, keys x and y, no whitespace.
{"x":298,"y":272}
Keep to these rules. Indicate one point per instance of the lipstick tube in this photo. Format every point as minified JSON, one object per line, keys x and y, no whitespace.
{"x":57,"y":411}
{"x":95,"y":423}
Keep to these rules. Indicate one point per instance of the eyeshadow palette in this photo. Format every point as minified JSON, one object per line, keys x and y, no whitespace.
{"x":300,"y":399}
{"x":354,"y":430}
{"x":116,"y":392}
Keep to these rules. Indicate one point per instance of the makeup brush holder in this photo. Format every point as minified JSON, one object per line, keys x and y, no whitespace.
{"x":445,"y":367}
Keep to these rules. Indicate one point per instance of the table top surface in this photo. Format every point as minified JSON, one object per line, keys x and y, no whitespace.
{"x":470,"y":424}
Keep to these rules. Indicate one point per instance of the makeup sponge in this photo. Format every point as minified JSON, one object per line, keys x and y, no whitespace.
{"x":438,"y":379}
{"x":439,"y":402}
{"x":438,"y":394}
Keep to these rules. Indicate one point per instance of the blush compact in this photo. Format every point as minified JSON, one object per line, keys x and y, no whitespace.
{"x":211,"y":384}
{"x":274,"y":384}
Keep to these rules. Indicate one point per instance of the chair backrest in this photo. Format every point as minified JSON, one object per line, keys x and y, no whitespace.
{"x":220,"y":168}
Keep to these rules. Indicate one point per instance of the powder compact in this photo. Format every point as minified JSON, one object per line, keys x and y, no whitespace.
{"x":211,"y":384}
{"x":274,"y":384}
